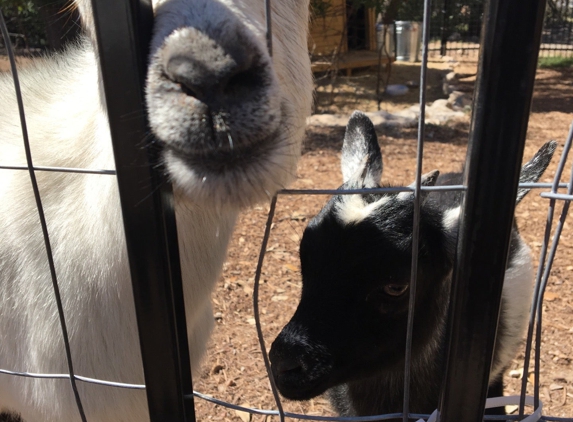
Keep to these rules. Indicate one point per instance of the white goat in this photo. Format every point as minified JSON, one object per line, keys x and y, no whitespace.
{"x":210,"y":79}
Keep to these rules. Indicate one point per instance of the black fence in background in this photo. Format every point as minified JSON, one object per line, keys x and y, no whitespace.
{"x":456,"y":27}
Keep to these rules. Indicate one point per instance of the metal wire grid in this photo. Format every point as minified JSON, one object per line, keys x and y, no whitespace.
{"x":541,"y":282}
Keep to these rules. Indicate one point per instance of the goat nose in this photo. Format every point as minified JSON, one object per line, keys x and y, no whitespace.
{"x":212,"y":75}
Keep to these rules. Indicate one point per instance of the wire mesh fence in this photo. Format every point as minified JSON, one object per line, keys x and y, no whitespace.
{"x":159,"y":304}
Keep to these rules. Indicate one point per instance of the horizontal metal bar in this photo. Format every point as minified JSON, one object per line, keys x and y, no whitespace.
{"x":561,"y":196}
{"x":252,"y":410}
{"x":76,"y":377}
{"x":59,"y":169}
{"x":296,"y":191}
{"x":543,"y":185}
{"x":306,"y":417}
{"x":394,"y":189}
{"x":397,"y":189}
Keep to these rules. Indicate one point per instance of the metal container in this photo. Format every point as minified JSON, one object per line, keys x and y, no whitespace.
{"x":408,"y":41}
{"x":386,"y":41}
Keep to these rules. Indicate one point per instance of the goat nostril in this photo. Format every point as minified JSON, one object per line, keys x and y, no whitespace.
{"x":289,"y":366}
{"x":245,"y":80}
{"x":190,"y":91}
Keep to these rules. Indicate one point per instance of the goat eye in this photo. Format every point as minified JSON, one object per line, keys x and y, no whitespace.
{"x":395,"y":289}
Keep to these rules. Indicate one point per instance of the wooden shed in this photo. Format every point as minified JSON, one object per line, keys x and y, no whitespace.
{"x":336,"y":27}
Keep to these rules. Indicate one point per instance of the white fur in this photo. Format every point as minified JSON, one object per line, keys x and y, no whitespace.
{"x":67,"y":122}
{"x":451,"y":218}
{"x":353,"y":209}
{"x":516,"y":297}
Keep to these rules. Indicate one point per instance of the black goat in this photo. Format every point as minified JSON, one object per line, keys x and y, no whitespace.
{"x":348,"y":333}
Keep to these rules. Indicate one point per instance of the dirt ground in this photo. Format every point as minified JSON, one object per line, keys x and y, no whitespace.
{"x":233,"y":369}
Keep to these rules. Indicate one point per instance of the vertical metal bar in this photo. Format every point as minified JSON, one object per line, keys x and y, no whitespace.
{"x":510,"y":44}
{"x":258,"y":273}
{"x":123,"y":29}
{"x":269,"y":20}
{"x":417,"y":205}
{"x":569,"y":23}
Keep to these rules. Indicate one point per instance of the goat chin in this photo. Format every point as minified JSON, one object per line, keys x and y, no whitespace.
{"x":68,"y":127}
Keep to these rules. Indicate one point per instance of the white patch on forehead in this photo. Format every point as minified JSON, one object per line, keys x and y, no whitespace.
{"x":353,"y":209}
{"x":451,"y":218}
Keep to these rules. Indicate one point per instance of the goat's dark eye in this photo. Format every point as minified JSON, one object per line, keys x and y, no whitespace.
{"x":395,"y":289}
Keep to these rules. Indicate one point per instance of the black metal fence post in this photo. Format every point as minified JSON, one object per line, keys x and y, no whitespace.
{"x":123,"y":29}
{"x":510,"y":44}
{"x":444,"y":28}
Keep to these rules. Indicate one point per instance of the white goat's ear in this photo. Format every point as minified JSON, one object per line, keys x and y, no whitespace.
{"x":361,"y":158}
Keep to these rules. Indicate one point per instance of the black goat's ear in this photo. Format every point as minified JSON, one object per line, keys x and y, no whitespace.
{"x":532,"y":171}
{"x":430,"y":178}
{"x":427,"y":179}
{"x":361,"y":158}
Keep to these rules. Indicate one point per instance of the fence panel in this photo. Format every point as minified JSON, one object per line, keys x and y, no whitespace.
{"x":500,"y":120}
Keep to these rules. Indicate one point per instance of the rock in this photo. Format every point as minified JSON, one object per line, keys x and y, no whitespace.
{"x":451,"y":77}
{"x":459,"y":100}
{"x":439,"y":112}
{"x":396,"y":90}
{"x":329,"y":120}
{"x":379,"y":119}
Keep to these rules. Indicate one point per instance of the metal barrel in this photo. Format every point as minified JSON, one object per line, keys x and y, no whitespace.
{"x":408,"y":40}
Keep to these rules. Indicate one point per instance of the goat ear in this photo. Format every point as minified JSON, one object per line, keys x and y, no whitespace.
{"x":361,"y":158}
{"x":532,"y":171}
{"x":428,"y":179}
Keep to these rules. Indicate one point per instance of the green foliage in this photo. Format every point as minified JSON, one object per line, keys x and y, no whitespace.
{"x":379,"y":6}
{"x":24,"y":22}
{"x":320,"y":8}
{"x":554,"y":62}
